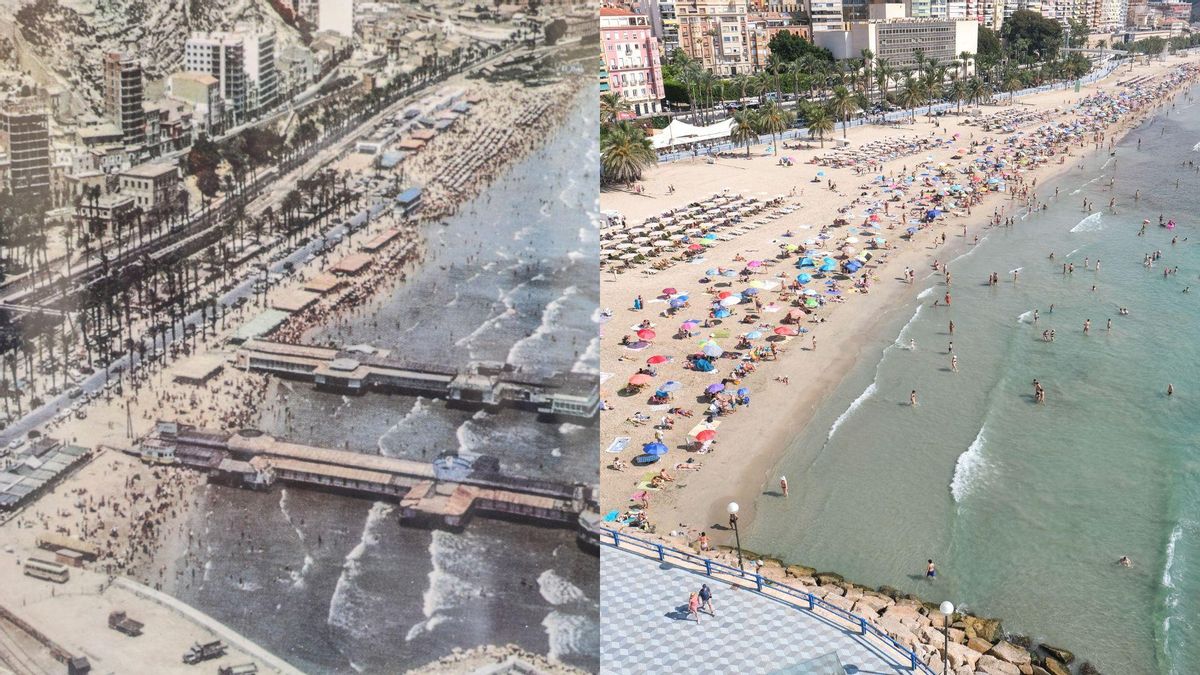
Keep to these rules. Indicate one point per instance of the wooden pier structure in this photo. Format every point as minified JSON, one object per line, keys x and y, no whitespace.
{"x":489,"y":385}
{"x":445,"y":492}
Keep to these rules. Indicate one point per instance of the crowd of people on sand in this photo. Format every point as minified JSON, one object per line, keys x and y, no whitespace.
{"x":916,"y":198}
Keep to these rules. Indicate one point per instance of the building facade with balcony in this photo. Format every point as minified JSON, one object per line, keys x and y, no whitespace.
{"x":631,"y":56}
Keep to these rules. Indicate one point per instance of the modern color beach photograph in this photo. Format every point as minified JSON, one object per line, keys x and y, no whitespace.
{"x":898,"y":337}
{"x":298,"y":336}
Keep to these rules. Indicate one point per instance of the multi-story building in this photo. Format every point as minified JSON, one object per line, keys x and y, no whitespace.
{"x":897,"y":39}
{"x":203,"y":93}
{"x":663,"y":21}
{"x":150,"y":184}
{"x":25,"y":127}
{"x":714,"y":33}
{"x":243,"y":61}
{"x":631,"y":54}
{"x":825,"y":15}
{"x":123,"y":95}
{"x":761,"y":28}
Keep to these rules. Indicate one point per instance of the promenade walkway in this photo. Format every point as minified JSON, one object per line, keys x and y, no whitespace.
{"x":647,"y":629}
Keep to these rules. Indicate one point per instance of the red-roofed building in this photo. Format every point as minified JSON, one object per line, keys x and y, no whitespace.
{"x":631,"y":55}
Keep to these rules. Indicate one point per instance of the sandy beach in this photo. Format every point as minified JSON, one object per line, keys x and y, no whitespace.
{"x":696,"y":487}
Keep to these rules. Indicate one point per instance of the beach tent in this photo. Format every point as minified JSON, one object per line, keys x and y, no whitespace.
{"x":679,"y":132}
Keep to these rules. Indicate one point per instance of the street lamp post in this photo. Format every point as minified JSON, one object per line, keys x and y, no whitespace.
{"x":732,"y":508}
{"x":947,"y":608}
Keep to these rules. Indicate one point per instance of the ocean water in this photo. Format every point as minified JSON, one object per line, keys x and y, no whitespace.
{"x":334,"y":584}
{"x":1026,"y":508}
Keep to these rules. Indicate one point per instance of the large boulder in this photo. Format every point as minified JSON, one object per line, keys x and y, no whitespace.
{"x":1058,"y":653}
{"x":892,"y":593}
{"x":853,"y":592}
{"x":901,"y":633}
{"x":824,"y":578}
{"x":1055,"y":667}
{"x":988,"y":629}
{"x":990,"y":665}
{"x":1088,"y":669}
{"x":1007,"y":651}
{"x":875,"y":602}
{"x":979,"y":644}
{"x":961,"y":656}
{"x":840,"y":602}
{"x":799,"y":571}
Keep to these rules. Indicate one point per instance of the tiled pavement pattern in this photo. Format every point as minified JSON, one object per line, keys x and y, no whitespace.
{"x":645,"y":629}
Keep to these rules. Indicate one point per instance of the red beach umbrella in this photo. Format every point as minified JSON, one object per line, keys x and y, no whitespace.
{"x":724,"y":294}
{"x":646,"y":334}
{"x":657,"y":359}
{"x":639,"y":379}
{"x":785,"y":330}
{"x":669,"y":291}
{"x":706,"y":435}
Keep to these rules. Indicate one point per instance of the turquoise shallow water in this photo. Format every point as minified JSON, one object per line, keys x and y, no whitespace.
{"x":1026,"y":508}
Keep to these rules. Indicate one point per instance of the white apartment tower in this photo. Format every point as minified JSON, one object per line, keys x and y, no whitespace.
{"x":243,"y":61}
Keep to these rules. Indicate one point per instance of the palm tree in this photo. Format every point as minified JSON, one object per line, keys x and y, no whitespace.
{"x":776,"y":66}
{"x":911,"y":94}
{"x":842,"y":104}
{"x":612,"y":106}
{"x":883,"y":76}
{"x":774,"y":119}
{"x":957,"y":92}
{"x":868,"y":57}
{"x":820,"y":122}
{"x":625,"y":151}
{"x":965,"y":58}
{"x":977,"y":91}
{"x":744,"y":129}
{"x":1012,"y":82}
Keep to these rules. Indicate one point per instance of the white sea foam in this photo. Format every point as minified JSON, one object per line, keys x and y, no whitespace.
{"x":558,"y":591}
{"x":569,"y":634}
{"x":1196,"y":147}
{"x":446,"y":590}
{"x":420,"y":409}
{"x":567,"y":428}
{"x":526,"y":350}
{"x":904,"y":331}
{"x":589,"y":360}
{"x":1168,"y":568}
{"x":343,"y":612}
{"x":298,"y":576}
{"x":1090,"y":224}
{"x":969,"y":468}
{"x":854,"y":405}
{"x":1026,"y":317}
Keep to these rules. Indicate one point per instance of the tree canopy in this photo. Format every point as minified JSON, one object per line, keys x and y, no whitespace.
{"x":789,"y":46}
{"x":1032,"y":36}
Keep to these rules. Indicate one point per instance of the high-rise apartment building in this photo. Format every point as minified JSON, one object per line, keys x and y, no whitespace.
{"x":123,"y":96}
{"x":825,"y":15}
{"x":714,"y":33}
{"x":631,"y":55}
{"x":243,"y":61}
{"x":25,"y":127}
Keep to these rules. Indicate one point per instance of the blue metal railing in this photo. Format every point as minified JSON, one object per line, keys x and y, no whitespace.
{"x":803,"y":600}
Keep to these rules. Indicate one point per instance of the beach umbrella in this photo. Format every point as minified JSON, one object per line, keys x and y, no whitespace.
{"x":721,"y":313}
{"x":750,"y":291}
{"x":828,"y":267}
{"x":656,"y":449}
{"x":646,"y":334}
{"x":754,"y":263}
{"x":724,"y":294}
{"x":714,"y":388}
{"x":678,"y":302}
{"x":807,"y":262}
{"x":712,"y":272}
{"x":703,"y":365}
{"x":706,"y":435}
{"x":911,"y":230}
{"x":713,"y":350}
{"x":731,"y":301}
{"x":743,"y":391}
{"x":640,"y":379}
{"x":804,"y":278}
{"x":670,"y":385}
{"x":695,"y":247}
{"x":754,"y":335}
{"x":657,"y":359}
{"x":785,"y":330}
{"x":688,"y":326}
{"x":811,"y":302}
{"x":668,"y":291}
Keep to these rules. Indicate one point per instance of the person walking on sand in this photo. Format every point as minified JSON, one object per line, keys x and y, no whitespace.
{"x":783,"y":485}
{"x":930,"y":570}
{"x":694,"y":606}
{"x":706,"y":600}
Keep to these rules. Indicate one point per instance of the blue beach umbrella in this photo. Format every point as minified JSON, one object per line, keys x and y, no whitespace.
{"x":754,"y":335}
{"x":657,"y":449}
{"x":721,"y":313}
{"x":750,"y":291}
{"x":712,"y":349}
{"x":804,"y":278}
{"x":743,"y":392}
{"x":703,"y":365}
{"x":807,"y":262}
{"x":678,"y":302}
{"x":670,"y":385}
{"x":714,"y":388}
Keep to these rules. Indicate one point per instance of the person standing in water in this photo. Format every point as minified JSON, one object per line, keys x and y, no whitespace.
{"x":783,"y":485}
{"x":954,"y":363}
{"x":952,"y":327}
{"x":1087,"y":326}
{"x":930,"y":570}
{"x":912,"y":398}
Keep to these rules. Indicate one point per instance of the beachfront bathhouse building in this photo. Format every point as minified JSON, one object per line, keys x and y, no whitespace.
{"x":631,"y":55}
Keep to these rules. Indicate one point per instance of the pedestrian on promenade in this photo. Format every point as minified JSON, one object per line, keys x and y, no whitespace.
{"x":706,"y":600}
{"x":694,"y":606}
